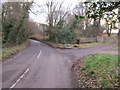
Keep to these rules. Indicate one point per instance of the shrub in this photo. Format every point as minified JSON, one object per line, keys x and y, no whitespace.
{"x":76,"y":45}
{"x":65,"y":36}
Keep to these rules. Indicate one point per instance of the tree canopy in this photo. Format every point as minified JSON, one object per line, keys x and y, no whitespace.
{"x":15,"y":17}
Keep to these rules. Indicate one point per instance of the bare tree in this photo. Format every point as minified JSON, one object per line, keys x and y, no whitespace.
{"x":111,"y":19}
{"x":56,"y":15}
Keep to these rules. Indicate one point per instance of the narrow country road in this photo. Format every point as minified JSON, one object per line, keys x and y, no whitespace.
{"x":76,"y":54}
{"x":41,"y":66}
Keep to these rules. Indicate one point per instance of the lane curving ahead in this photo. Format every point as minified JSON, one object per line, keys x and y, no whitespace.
{"x":39,"y":66}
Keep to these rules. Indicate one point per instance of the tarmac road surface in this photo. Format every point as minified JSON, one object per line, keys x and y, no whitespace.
{"x":39,"y":66}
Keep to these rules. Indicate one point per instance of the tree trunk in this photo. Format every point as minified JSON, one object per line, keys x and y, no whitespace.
{"x":119,"y":21}
{"x":118,"y":33}
{"x":108,"y":31}
{"x":99,"y":21}
{"x":94,"y":23}
{"x":111,"y":29}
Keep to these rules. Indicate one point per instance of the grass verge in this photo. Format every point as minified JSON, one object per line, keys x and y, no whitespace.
{"x":99,"y":71}
{"x":57,"y":45}
{"x":86,"y":45}
{"x":8,"y":52}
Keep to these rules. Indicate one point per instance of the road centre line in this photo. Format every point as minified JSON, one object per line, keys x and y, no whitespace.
{"x":24,"y":73}
{"x":39,"y":54}
{"x":20,"y":78}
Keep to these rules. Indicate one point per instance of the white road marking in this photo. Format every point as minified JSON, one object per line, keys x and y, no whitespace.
{"x":19,"y":78}
{"x":39,"y":54}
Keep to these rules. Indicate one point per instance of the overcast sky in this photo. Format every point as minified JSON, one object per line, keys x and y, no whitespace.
{"x":41,"y":18}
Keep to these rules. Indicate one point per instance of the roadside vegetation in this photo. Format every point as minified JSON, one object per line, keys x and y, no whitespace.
{"x":10,"y":51}
{"x":62,"y":26}
{"x":15,"y":28}
{"x":15,"y":23}
{"x":86,"y":45}
{"x":99,"y":71}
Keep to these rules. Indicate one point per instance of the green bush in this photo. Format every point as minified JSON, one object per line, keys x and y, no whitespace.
{"x":15,"y":23}
{"x":65,"y":36}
